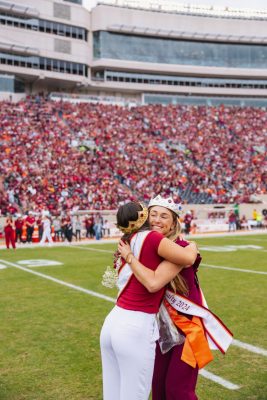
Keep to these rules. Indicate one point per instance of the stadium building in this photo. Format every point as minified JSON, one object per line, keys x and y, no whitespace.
{"x":133,"y":51}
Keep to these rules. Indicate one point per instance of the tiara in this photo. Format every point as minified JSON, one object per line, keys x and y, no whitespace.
{"x":167,"y":203}
{"x":133,"y":226}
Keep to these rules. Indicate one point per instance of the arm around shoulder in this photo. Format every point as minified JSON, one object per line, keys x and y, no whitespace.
{"x":176,"y":254}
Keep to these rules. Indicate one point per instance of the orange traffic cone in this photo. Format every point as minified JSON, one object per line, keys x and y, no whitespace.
{"x":24,"y":233}
{"x":53,"y":233}
{"x":35,"y":235}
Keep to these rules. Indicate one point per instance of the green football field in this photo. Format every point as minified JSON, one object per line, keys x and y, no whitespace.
{"x":51,"y":315}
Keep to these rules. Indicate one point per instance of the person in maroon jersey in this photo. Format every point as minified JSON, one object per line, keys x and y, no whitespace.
{"x":129,"y":333}
{"x":18,"y":226}
{"x":9,"y":229}
{"x":30,"y":220}
{"x":173,"y":379}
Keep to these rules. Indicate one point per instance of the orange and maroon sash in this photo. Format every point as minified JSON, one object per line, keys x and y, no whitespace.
{"x":205,"y":331}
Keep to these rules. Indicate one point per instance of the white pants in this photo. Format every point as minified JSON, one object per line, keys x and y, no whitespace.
{"x":128,"y":341}
{"x":46,"y":235}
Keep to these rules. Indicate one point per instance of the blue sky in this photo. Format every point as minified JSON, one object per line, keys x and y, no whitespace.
{"x":255,"y":4}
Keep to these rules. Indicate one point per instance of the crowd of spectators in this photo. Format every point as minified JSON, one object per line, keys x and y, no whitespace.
{"x":62,"y":156}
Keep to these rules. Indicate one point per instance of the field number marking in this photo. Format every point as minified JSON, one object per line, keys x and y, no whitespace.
{"x":39,"y":263}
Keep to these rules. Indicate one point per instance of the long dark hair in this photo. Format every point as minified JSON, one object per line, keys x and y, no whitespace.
{"x":129,"y":212}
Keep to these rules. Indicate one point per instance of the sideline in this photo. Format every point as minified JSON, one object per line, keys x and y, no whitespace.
{"x":86,"y":242}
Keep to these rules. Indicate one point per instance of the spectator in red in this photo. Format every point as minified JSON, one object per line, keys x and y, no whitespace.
{"x":30,"y":221}
{"x":187,"y":222}
{"x":9,"y":229}
{"x":232,"y":221}
{"x":18,"y":226}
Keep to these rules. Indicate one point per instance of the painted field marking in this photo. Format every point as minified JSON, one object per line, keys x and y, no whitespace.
{"x":50,"y":278}
{"x":249,"y":271}
{"x":215,"y":378}
{"x":229,"y":248}
{"x":39,"y":263}
{"x":249,"y":347}
{"x":94,"y":249}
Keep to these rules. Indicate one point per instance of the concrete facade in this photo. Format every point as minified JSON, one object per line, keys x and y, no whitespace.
{"x":132,"y":22}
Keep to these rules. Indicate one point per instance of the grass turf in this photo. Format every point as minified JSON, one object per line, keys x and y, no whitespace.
{"x":49,"y":334}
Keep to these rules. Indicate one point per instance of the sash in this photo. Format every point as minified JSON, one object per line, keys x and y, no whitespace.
{"x":218,"y":335}
{"x":125,"y":272}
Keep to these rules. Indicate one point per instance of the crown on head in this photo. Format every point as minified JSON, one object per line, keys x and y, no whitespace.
{"x":133,"y":226}
{"x":167,"y":203}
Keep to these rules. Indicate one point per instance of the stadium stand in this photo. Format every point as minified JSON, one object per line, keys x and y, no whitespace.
{"x":62,"y":156}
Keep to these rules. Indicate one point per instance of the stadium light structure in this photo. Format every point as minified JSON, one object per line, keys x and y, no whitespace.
{"x":193,"y":9}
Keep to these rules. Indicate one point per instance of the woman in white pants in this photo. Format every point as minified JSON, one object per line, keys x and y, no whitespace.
{"x":46,"y":231}
{"x":129,"y":334}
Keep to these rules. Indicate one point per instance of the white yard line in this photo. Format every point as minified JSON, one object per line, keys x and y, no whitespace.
{"x":249,"y":347}
{"x":215,"y":378}
{"x":249,"y":271}
{"x":94,"y":249}
{"x":50,"y":278}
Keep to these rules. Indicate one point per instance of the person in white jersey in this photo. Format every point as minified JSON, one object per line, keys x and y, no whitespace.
{"x":46,"y":230}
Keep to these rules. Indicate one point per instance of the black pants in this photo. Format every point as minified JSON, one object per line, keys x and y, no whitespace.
{"x":18,"y":234}
{"x":29,"y":233}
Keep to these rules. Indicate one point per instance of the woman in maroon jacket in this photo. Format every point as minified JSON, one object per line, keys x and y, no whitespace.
{"x":9,"y":229}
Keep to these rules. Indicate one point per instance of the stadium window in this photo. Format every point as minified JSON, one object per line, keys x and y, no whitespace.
{"x":80,"y":69}
{"x":80,"y":33}
{"x":68,"y":67}
{"x":62,"y":66}
{"x":41,"y":25}
{"x":74,"y":34}
{"x":76,"y":69}
{"x":61,"y":30}
{"x":68,"y":31}
{"x":55,"y":29}
{"x":42,"y":63}
{"x":55,"y":65}
{"x":48,"y":64}
{"x":48,"y":27}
